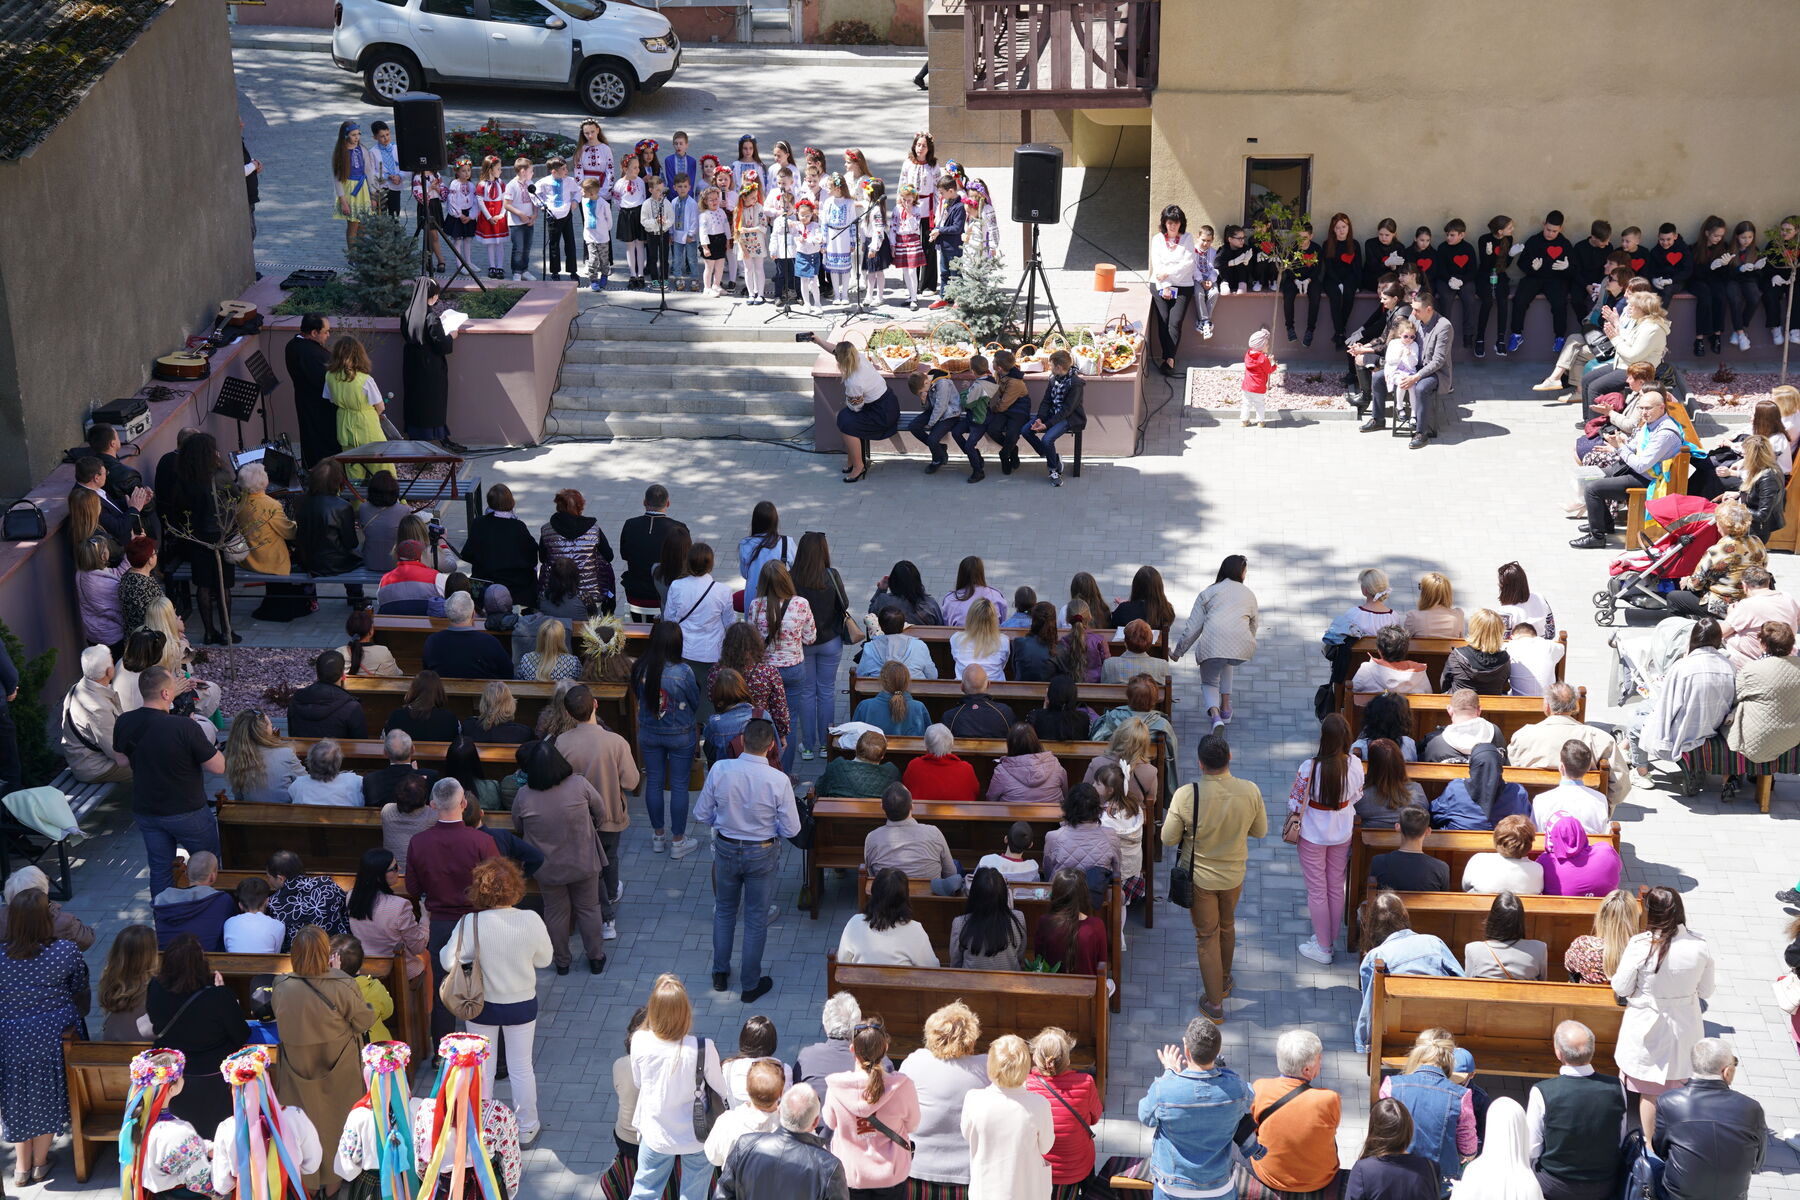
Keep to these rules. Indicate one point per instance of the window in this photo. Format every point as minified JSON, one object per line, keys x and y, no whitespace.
{"x":449,"y":8}
{"x":517,"y":12}
{"x":1290,"y":179}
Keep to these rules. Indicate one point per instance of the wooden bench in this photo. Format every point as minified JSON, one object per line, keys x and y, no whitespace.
{"x":1430,"y":710}
{"x":1639,"y":530}
{"x":1032,"y":900}
{"x":937,"y":640}
{"x":1507,"y":1026}
{"x":1435,"y":652}
{"x":33,"y":846}
{"x":939,"y":696}
{"x":329,"y":840}
{"x":363,"y":755}
{"x":405,"y":637}
{"x":972,"y":830}
{"x":1017,"y":1002}
{"x":241,"y":971}
{"x":382,"y":695}
{"x":1454,"y":847}
{"x":243,"y":577}
{"x":99,"y":1080}
{"x":1461,"y":917}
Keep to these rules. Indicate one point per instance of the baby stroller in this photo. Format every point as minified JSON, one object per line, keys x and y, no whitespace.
{"x":1641,"y":578}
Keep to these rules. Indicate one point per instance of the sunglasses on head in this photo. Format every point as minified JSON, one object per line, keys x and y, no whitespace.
{"x":872,"y":1023}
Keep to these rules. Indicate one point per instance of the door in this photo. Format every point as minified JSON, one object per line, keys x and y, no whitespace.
{"x":522,"y":46}
{"x":451,"y":40}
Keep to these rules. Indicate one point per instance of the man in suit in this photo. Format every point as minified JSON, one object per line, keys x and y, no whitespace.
{"x":119,"y":520}
{"x":121,"y":480}
{"x":1434,"y":364}
{"x":640,"y":545}
{"x":308,"y":357}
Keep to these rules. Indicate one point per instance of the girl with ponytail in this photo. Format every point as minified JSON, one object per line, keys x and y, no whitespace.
{"x":1084,"y":647}
{"x":872,"y":1115}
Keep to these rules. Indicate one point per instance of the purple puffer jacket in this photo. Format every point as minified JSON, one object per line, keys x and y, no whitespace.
{"x":98,"y":591}
{"x":1029,"y":779}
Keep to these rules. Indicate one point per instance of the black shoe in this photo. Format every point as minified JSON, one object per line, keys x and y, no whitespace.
{"x":1589,"y":541}
{"x":1584,"y":527}
{"x":1699,"y":347}
{"x":1480,"y":347}
{"x":934,"y":468}
{"x":977,"y":475}
{"x":596,"y":965}
{"x":1306,"y":340}
{"x":1006,"y":465}
{"x":1371,"y":425}
{"x":763,"y":987}
{"x":1338,"y":343}
{"x":562,"y":968}
{"x":1790,"y":896}
{"x":721,"y":981}
{"x":1291,"y":335}
{"x":1718,"y":344}
{"x":1417,"y":443}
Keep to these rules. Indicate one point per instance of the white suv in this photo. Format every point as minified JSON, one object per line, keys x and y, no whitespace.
{"x":605,"y":50}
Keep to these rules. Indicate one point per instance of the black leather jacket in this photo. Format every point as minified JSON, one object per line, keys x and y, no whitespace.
{"x":1711,"y":1139}
{"x":782,"y":1165}
{"x":327,"y":537}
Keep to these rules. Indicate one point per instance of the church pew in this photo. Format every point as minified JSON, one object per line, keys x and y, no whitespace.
{"x":326,"y":839}
{"x":363,"y":755}
{"x":1017,"y":1002}
{"x":1460,"y":917}
{"x":405,"y":638}
{"x":939,"y":696}
{"x":1434,"y":652}
{"x":937,"y":639}
{"x":382,"y":695}
{"x":1430,"y":710}
{"x":241,"y":972}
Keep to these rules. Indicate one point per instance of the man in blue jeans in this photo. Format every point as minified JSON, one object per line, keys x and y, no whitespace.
{"x":750,"y":806}
{"x":1192,"y":1110}
{"x":169,"y":757}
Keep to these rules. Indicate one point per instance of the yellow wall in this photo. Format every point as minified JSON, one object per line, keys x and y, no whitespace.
{"x":1605,"y":108}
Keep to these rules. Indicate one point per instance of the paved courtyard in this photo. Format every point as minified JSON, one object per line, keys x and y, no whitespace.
{"x":1310,"y":504}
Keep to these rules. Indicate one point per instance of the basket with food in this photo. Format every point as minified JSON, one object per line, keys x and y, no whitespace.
{"x":893,"y":349}
{"x":953,"y":343}
{"x":1085,"y":351}
{"x":1118,"y":344}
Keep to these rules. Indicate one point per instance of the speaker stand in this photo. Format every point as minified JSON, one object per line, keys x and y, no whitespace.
{"x":1028,"y":285}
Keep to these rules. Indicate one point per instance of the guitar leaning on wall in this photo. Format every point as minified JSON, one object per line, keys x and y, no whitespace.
{"x":235,"y":316}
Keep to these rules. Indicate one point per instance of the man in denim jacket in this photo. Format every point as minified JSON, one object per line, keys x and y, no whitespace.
{"x":1193,"y":1110}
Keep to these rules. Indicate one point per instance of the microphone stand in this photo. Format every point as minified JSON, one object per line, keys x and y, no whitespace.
{"x":783,"y":307}
{"x":662,"y":305}
{"x":856,"y":304}
{"x":444,"y":240}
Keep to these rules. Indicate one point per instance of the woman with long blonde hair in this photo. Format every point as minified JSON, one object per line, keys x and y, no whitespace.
{"x":178,"y":654}
{"x":259,"y":764}
{"x":1593,"y":957}
{"x":1437,"y":614}
{"x":1762,"y":487}
{"x":1641,"y":334}
{"x":666,"y":1057}
{"x":1429,"y":1079}
{"x":551,"y":659}
{"x":979,"y":643}
{"x":350,"y":384}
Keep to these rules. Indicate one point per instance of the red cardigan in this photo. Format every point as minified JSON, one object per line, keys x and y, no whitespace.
{"x":1071,"y":1156}
{"x":946,"y":778}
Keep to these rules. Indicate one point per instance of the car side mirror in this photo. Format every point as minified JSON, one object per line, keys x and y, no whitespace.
{"x":555,"y":23}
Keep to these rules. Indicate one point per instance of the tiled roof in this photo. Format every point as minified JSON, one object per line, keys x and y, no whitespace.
{"x":51,"y":53}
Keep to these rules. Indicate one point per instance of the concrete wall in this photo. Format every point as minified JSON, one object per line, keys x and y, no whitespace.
{"x":303,"y":14}
{"x":129,"y":225}
{"x":1432,"y":113}
{"x":976,"y":139}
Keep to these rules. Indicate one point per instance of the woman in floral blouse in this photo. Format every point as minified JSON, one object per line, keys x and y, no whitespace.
{"x":1592,"y":957}
{"x":784,"y":623}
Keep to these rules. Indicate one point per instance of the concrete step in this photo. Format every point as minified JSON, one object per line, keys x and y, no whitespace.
{"x":673,"y":376}
{"x":626,"y":351}
{"x":724,"y":401}
{"x":617,"y":319}
{"x":676,"y":425}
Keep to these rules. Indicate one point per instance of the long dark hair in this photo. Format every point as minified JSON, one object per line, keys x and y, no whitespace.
{"x":1386,"y":776}
{"x":1083,"y":586}
{"x":812,"y":562}
{"x":1147,"y":590}
{"x":1505,"y":919}
{"x":971,"y":573}
{"x":672,"y":559}
{"x":742,"y":650}
{"x":1232,"y":568}
{"x":1390,"y":1129}
{"x":765,"y":523}
{"x":563,"y":581}
{"x":1331,"y":237}
{"x":371,"y":881}
{"x":425,"y":694}
{"x":1664,"y":916}
{"x":647,"y":672}
{"x":1043,"y":623}
{"x":462,"y":762}
{"x":1069,"y":905}
{"x":1075,"y":642}
{"x":197,"y":462}
{"x":904,"y":582}
{"x":358,"y":626}
{"x":545,"y":767}
{"x":889,"y":905}
{"x":1331,"y":765}
{"x":989,"y":922}
{"x":1387,"y":717}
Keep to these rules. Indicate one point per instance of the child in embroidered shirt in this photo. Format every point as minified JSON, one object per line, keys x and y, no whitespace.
{"x":593,"y":157}
{"x":907,"y":232}
{"x":782,"y":229}
{"x":784,"y":183}
{"x":873,"y":233}
{"x":648,"y":163}
{"x":748,"y":159}
{"x":521,"y":217}
{"x":631,"y":193}
{"x":353,"y":166}
{"x":981,"y":224}
{"x":751,"y":228}
{"x":680,"y":162}
{"x":459,"y":208}
{"x":490,"y":215}
{"x":1402,"y":359}
{"x":596,"y":233}
{"x":559,"y":198}
{"x":809,"y":249}
{"x":726,"y":182}
{"x":428,"y":192}
{"x":393,"y":181}
{"x":715,"y":239}
{"x":812,"y":187}
{"x":658,"y":216}
{"x":784,"y":157}
{"x":684,"y":266}
{"x":838,"y":216}
{"x":1259,"y":365}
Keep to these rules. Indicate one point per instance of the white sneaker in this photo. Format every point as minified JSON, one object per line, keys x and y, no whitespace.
{"x":526,"y":275}
{"x":683,"y":847}
{"x":516,"y":277}
{"x":1777,"y":337}
{"x":609,"y":932}
{"x":1794,"y":337}
{"x":1310,"y":948}
{"x":659,"y":842}
{"x":1206,"y":330}
{"x":620,"y":893}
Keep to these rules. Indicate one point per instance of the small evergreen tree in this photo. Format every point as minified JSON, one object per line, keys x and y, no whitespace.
{"x":980,"y":296}
{"x":1784,"y":254}
{"x":1278,"y":236}
{"x":37,"y":757}
{"x":384,"y":261}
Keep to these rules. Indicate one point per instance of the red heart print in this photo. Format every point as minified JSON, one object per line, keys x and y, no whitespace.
{"x":1637,"y":264}
{"x":1553,"y":251}
{"x":1425,"y":264}
{"x":1674,"y":256}
{"x":1348,"y":257}
{"x":1461,"y":260}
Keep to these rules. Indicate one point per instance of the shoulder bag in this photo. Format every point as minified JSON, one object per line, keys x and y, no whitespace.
{"x":1248,"y":1141}
{"x":157,"y":1035}
{"x":881,"y":1127}
{"x":1787,"y":992}
{"x":852,"y":628}
{"x":696,"y":604}
{"x":1181,"y":879}
{"x":708,"y":1104}
{"x":462,"y":990}
{"x":1064,"y":1101}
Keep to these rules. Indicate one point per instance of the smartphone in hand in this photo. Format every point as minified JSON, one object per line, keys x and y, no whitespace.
{"x":803,"y":337}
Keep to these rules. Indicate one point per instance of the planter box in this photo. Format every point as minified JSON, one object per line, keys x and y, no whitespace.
{"x":502,"y":372}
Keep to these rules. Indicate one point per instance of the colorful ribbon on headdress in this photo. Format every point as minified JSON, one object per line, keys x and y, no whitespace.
{"x":750,"y":185}
{"x":153,"y":1074}
{"x":261,"y":1175}
{"x":869,"y":184}
{"x":954,"y":169}
{"x":835,"y":179}
{"x":456,"y":1110}
{"x":384,"y":1066}
{"x":647,"y":143}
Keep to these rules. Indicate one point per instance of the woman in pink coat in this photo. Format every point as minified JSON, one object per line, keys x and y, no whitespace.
{"x":1029,"y":774}
{"x":876,"y":1163}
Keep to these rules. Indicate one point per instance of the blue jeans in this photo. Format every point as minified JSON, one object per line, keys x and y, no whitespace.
{"x":192,"y":831}
{"x":653,"y":1175}
{"x":743,"y":876}
{"x":521,"y":246}
{"x":668,"y":757}
{"x":684,"y":261}
{"x":818,"y":692}
{"x":1045,"y":443}
{"x":793,"y":686}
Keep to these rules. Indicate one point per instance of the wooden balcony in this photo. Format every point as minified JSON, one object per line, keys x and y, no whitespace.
{"x":1050,"y":54}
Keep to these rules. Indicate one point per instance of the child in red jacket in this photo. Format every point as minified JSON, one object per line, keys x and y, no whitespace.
{"x":1258,"y":366}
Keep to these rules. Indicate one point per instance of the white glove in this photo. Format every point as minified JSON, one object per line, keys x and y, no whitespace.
{"x":1537,"y":264}
{"x":1224,"y":288}
{"x":1760,"y":262}
{"x":1561,"y":264}
{"x":1719,"y":262}
{"x":1304,"y":284}
{"x":1241,"y":259}
{"x":1394,"y":259}
{"x":1779,"y":281}
{"x":1746,"y":267}
{"x":1662,"y":283}
{"x":1518,"y":248}
{"x":1455,"y":284}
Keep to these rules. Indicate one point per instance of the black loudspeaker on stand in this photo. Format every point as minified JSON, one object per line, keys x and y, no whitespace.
{"x":1037,"y":184}
{"x":419,"y":140}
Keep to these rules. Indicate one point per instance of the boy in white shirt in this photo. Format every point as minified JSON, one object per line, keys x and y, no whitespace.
{"x":521,"y":217}
{"x":253,"y":931}
{"x":1012,"y":862}
{"x":560,"y":196}
{"x":684,"y":238}
{"x":1534,"y":660}
{"x":596,"y":235}
{"x":763,"y":1084}
{"x":1571,"y":797}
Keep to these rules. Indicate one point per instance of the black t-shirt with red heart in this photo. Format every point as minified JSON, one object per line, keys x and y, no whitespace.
{"x":1453,"y":261}
{"x":1546,"y":252}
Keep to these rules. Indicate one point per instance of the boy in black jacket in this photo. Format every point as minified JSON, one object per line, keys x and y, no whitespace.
{"x":1669,"y":263}
{"x":1589,"y":269}
{"x":1546,"y":260}
{"x":1453,"y":271}
{"x":1303,"y":278}
{"x":1381,"y":254}
{"x":1236,"y":261}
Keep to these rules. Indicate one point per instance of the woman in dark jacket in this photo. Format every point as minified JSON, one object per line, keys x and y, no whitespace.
{"x":426,"y":714}
{"x":1342,"y":272}
{"x":327,"y":523}
{"x":1032,"y":659}
{"x":501,"y":550}
{"x":425,"y":368}
{"x":1370,"y":343}
{"x":190,"y":1012}
{"x":192,"y":516}
{"x":1483,"y":664}
{"x":1058,"y":413}
{"x":903,"y":589}
{"x":571,"y":535}
{"x":1060,"y":720}
{"x":1764,"y":489}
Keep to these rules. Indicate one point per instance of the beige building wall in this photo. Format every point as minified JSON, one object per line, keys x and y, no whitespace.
{"x":1638,"y":111}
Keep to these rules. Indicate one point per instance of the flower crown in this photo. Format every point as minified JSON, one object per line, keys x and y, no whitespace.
{"x":385,"y":1058}
{"x":709,"y":158}
{"x":953,"y":169}
{"x":464,"y":1049}
{"x":869,"y":184}
{"x":593,"y":645}
{"x":157,"y":1067}
{"x":647,"y":143}
{"x":805,"y":203}
{"x":835,"y":179}
{"x":248,"y":1065}
{"x":751,"y":183}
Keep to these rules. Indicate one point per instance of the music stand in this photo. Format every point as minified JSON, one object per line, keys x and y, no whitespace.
{"x":266,"y":382}
{"x":237,"y":400}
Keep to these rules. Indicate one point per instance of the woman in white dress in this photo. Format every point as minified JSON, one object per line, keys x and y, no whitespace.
{"x":1663,"y":975}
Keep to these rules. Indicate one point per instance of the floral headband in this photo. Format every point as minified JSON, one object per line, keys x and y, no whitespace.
{"x":979,"y":188}
{"x":953,"y":169}
{"x":248,"y":1065}
{"x":710,"y":158}
{"x":812,"y":152}
{"x":155,"y":1068}
{"x":806,"y":204}
{"x":853,"y":152}
{"x":464,"y":1049}
{"x":750,"y":184}
{"x":385,"y":1058}
{"x":836,"y":179}
{"x":869,"y":186}
{"x":647,"y":143}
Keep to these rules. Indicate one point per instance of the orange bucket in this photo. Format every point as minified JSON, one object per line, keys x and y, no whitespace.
{"x":1104,"y":276}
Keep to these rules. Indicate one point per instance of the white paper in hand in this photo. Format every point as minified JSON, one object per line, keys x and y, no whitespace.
{"x":454,"y":319}
{"x":1663,"y":282}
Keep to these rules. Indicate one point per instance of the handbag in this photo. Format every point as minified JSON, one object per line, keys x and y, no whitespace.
{"x":853,"y":631}
{"x":24,"y":524}
{"x":462,"y":990}
{"x":1787,"y":993}
{"x":236,"y":548}
{"x":1247,"y":1140}
{"x":1181,"y":879}
{"x":708,"y":1104}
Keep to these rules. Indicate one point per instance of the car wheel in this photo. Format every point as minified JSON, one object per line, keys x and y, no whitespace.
{"x":390,"y":74}
{"x":605,"y":88}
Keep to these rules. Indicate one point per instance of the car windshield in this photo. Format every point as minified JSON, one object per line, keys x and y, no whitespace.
{"x":581,"y":10}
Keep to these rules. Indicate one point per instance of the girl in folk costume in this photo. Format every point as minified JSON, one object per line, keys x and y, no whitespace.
{"x":812,"y":156}
{"x":809,"y":253}
{"x":648,"y":163}
{"x":631,"y":192}
{"x":873,"y":231}
{"x":350,"y":386}
{"x":982,"y":238}
{"x":350,"y":173}
{"x":264,"y":1150}
{"x":784,"y":157}
{"x":715,"y":239}
{"x":375,"y":1154}
{"x":726,"y":182}
{"x":428,"y":190}
{"x":856,"y":169}
{"x":920,"y":172}
{"x":593,"y":157}
{"x":459,"y":208}
{"x":490,"y":217}
{"x":748,"y":159}
{"x":159,"y":1153}
{"x":752,"y":233}
{"x":838,"y":217}
{"x":907,"y":233}
{"x":467,"y":1144}
{"x":812,"y":187}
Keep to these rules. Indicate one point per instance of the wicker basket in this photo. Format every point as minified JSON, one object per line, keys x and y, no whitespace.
{"x":954,"y":343}
{"x":1118,"y":345}
{"x":893,"y":349}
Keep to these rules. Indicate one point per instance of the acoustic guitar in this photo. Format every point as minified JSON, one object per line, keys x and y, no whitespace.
{"x":183,"y":364}
{"x":235,"y":313}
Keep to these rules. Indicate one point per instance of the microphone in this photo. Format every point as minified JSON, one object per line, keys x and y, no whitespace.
{"x":531,"y":187}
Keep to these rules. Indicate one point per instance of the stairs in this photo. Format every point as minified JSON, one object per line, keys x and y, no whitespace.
{"x":685,"y":376}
